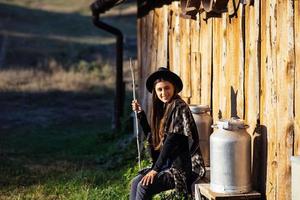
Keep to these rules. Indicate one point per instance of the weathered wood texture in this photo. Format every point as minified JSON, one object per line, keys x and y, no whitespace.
{"x":185,"y":57}
{"x":144,"y":56}
{"x":235,"y":66}
{"x":244,"y":65}
{"x":285,"y":91}
{"x":297,"y":77}
{"x":161,"y":31}
{"x":219,"y":93}
{"x":206,"y":60}
{"x":153,"y":37}
{"x":252,"y":87}
{"x":174,"y":38}
{"x":268,"y":100}
{"x":195,"y":61}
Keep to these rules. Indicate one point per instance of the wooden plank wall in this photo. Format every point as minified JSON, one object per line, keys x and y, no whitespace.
{"x":245,"y":65}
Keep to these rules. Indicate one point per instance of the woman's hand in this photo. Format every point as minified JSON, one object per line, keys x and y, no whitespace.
{"x":136,"y":107}
{"x":148,"y":178}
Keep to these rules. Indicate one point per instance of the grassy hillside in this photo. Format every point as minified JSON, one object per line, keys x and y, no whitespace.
{"x":56,"y":98}
{"x":32,"y":32}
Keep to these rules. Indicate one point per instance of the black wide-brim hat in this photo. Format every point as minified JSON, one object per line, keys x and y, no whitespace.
{"x":165,"y":74}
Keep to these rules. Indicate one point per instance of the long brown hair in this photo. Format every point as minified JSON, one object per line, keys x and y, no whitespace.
{"x":158,"y":116}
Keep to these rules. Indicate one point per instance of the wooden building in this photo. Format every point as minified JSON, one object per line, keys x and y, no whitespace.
{"x":244,"y":62}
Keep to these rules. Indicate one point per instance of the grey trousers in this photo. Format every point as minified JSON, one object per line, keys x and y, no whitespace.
{"x":162,"y":182}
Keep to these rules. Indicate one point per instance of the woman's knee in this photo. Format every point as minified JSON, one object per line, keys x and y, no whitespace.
{"x":135,"y":181}
{"x":143,"y":192}
{"x":134,"y":184}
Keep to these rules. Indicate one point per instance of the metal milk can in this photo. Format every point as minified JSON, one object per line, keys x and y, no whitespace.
{"x":230,"y":157}
{"x":295,"y":161}
{"x":203,"y":121}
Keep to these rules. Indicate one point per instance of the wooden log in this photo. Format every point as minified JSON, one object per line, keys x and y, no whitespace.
{"x":297,"y":78}
{"x":268,"y":101}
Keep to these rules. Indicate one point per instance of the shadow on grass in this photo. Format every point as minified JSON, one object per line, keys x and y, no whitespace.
{"x":60,"y":142}
{"x":21,"y":109}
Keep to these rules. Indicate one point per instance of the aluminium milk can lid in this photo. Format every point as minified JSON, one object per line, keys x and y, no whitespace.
{"x":295,"y":159}
{"x":196,"y":109}
{"x":231,"y":124}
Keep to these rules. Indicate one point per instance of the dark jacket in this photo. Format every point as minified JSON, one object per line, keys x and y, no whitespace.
{"x":180,"y":145}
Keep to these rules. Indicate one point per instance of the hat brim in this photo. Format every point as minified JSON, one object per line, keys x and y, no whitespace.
{"x":166,"y":75}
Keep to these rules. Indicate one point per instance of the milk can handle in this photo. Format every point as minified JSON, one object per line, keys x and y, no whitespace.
{"x":214,"y":126}
{"x":245,"y":126}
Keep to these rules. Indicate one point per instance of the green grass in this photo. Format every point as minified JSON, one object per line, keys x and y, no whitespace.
{"x":56,"y":98}
{"x":60,"y":146}
{"x":69,"y":162}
